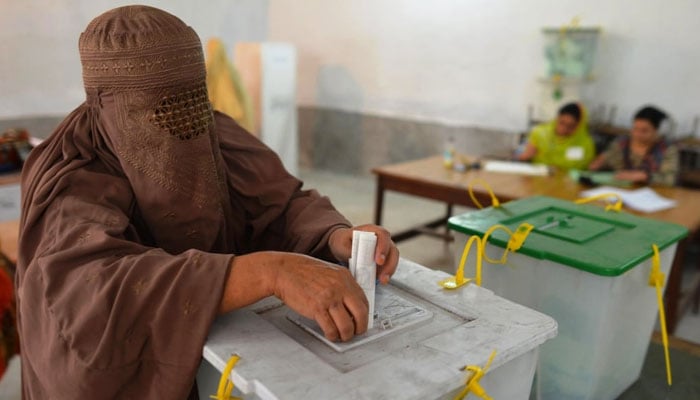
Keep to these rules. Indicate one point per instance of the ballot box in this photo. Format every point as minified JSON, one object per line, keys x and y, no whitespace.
{"x":587,"y":268}
{"x":423,"y":338}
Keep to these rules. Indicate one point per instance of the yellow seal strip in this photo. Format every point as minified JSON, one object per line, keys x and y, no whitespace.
{"x":470,"y":187}
{"x":225,"y":384}
{"x":458,"y":280}
{"x":516,"y":241}
{"x":472,"y":385}
{"x":617,"y":206}
{"x":656,"y":279}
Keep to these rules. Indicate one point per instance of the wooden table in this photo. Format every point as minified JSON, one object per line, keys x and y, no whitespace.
{"x":428,"y":178}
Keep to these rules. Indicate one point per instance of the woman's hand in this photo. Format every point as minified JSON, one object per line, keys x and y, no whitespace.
{"x":386,"y":255}
{"x":316,"y":289}
{"x":324,"y":292}
{"x":598,"y":163}
{"x":632,"y":175}
{"x":528,"y":153}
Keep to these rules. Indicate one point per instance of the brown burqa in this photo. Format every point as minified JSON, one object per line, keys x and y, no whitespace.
{"x":131,"y":213}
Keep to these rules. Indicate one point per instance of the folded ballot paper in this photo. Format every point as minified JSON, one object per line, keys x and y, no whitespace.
{"x":363,"y":267}
{"x":644,"y":200}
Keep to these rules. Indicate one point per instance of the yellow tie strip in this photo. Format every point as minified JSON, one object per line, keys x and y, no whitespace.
{"x":225,"y":383}
{"x":472,"y":385}
{"x":458,"y":280}
{"x":656,"y":279}
{"x":516,"y":241}
{"x":615,"y":207}
{"x":470,"y":187}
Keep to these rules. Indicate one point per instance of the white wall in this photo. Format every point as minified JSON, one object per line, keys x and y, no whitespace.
{"x":467,"y":62}
{"x":40,"y":69}
{"x":475,"y":62}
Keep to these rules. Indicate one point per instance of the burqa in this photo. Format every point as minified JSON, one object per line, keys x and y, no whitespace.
{"x":131,"y":213}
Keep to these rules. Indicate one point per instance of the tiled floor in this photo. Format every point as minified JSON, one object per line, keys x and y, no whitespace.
{"x":354,"y":197}
{"x":10,"y":388}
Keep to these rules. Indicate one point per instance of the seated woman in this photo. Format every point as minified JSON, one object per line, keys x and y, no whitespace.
{"x":643,"y":156}
{"x":562,"y":143}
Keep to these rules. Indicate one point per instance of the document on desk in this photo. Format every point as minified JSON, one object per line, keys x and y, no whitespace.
{"x":643,"y":200}
{"x":513,"y":167}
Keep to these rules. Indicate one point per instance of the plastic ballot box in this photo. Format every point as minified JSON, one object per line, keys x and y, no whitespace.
{"x":423,"y":339}
{"x":590,"y":270}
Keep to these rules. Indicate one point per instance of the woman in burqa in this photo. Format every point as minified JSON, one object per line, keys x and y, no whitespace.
{"x":145,"y":214}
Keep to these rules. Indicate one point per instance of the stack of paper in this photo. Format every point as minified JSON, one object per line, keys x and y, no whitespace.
{"x":644,"y":199}
{"x":513,"y":167}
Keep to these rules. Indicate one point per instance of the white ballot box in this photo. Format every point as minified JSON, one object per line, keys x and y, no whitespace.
{"x":589,"y":269}
{"x":423,"y":337}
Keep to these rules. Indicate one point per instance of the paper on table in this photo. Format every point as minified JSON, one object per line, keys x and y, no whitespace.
{"x":644,"y":199}
{"x":516,"y":168}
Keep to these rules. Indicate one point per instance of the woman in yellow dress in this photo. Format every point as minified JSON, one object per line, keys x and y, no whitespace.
{"x":563,"y":142}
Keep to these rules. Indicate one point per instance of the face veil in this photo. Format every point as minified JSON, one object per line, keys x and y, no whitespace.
{"x":144,"y":75}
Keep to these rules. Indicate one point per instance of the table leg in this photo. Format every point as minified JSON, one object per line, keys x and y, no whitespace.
{"x":379,"y":201}
{"x":448,"y":214}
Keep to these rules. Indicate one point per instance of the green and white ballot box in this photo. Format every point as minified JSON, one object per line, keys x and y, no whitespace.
{"x":426,"y":343}
{"x":587,"y":268}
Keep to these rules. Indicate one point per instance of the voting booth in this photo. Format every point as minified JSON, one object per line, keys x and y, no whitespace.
{"x":422,"y":339}
{"x":590,"y":270}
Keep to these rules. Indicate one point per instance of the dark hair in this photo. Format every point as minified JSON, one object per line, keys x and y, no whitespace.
{"x":651,"y":114}
{"x":572,"y":109}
